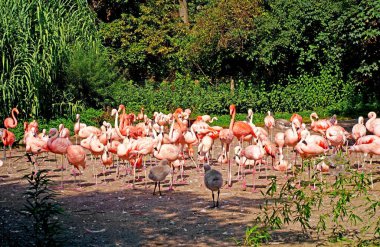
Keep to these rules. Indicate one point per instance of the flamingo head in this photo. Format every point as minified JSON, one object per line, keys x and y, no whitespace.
{"x":361,"y":120}
{"x":250,"y":112}
{"x":314,"y":115}
{"x":114,"y":111}
{"x":15,"y":110}
{"x":188,"y":111}
{"x":232,"y":109}
{"x":77,"y":117}
{"x":268,"y":113}
{"x":371,"y":114}
{"x":52,"y":132}
{"x":121,"y":107}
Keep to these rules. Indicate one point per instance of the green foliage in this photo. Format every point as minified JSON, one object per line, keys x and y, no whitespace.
{"x":302,"y":94}
{"x":145,"y":40}
{"x":38,"y":41}
{"x":342,"y":202}
{"x":42,"y":209}
{"x":254,"y":236}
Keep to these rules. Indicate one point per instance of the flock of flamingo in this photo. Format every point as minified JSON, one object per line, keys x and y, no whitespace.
{"x":172,"y":137}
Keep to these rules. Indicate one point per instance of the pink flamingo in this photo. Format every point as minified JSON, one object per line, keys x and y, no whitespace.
{"x":35,"y":145}
{"x":107,"y":160}
{"x":372,"y":148}
{"x":297,"y":119}
{"x":291,"y":137}
{"x":335,"y":135}
{"x":359,"y":130}
{"x":319,"y":126}
{"x":58,"y":145}
{"x":226,"y":137}
{"x":77,"y":127}
{"x":96,"y":149}
{"x":372,"y":121}
{"x":64,"y":132}
{"x":10,"y":123}
{"x":256,"y":130}
{"x":143,"y":147}
{"x":169,"y":152}
{"x":311,"y":146}
{"x":241,"y":129}
{"x":271,"y":150}
{"x":8,"y":139}
{"x":269,"y":123}
{"x":88,"y":130}
{"x":207,"y":118}
{"x":76,"y":156}
{"x":255,"y":153}
{"x":368,"y":139}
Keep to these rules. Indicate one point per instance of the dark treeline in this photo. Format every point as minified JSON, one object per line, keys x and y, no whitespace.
{"x":267,"y":55}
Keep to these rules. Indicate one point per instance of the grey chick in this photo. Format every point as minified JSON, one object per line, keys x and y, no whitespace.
{"x":213,"y":181}
{"x":158,"y":173}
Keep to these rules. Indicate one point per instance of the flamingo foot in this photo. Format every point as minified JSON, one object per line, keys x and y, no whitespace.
{"x":80,"y":189}
{"x":254,"y":190}
{"x":313,"y":188}
{"x":244,"y":185}
{"x":227,"y":186}
{"x":171,"y":188}
{"x":128,"y":186}
{"x":183,"y":182}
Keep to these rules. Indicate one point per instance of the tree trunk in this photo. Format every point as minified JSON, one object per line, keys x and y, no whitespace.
{"x":232,"y":85}
{"x":183,"y":11}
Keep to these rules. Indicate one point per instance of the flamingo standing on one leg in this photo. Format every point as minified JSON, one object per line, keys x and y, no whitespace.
{"x":226,"y":136}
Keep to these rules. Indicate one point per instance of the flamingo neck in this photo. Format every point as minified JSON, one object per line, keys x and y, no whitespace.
{"x":14,"y":117}
{"x":117,"y":126}
{"x":232,"y":119}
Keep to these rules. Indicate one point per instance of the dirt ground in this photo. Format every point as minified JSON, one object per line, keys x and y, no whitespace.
{"x":113,"y":214}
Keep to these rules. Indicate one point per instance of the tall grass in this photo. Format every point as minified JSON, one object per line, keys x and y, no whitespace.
{"x":35,"y":41}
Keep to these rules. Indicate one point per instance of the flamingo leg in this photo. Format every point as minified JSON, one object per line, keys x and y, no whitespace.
{"x":159,"y":188}
{"x":155,"y":185}
{"x":217,"y":201}
{"x":253,"y":176}
{"x":104,"y":174}
{"x":229,"y":166}
{"x":144,"y":167}
{"x":62,"y":172}
{"x":213,"y":199}
{"x":171,"y":177}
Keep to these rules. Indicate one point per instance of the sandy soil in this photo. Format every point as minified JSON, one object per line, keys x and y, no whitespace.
{"x":134,"y":217}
